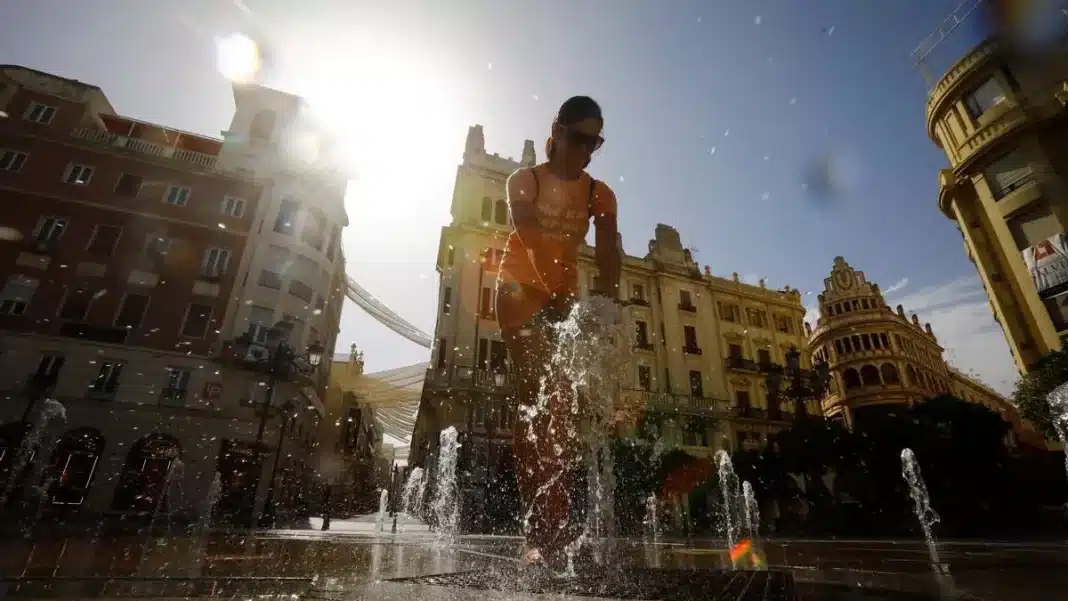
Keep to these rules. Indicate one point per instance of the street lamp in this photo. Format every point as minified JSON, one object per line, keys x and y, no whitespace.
{"x":278,"y":359}
{"x":801,"y":384}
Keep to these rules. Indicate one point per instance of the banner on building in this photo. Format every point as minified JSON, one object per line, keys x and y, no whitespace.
{"x":1048,"y":263}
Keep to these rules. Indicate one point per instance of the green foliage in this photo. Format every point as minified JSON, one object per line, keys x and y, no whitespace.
{"x":1031,"y":390}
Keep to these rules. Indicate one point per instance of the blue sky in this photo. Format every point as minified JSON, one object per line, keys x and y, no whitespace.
{"x":714,"y":111}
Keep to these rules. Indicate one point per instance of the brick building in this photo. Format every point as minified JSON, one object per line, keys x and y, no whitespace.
{"x":125,"y":253}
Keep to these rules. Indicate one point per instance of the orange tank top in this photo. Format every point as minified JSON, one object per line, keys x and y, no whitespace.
{"x":564,"y":209}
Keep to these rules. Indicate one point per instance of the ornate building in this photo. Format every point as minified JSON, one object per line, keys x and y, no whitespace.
{"x":880,"y":359}
{"x":1000,"y":118}
{"x":702,"y":344}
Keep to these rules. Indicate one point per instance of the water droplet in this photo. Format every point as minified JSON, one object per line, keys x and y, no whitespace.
{"x":793,"y":101}
{"x":726,"y":132}
{"x":712,"y":150}
{"x":489,"y":66}
{"x":758,"y":20}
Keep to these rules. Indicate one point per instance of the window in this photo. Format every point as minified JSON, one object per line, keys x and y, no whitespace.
{"x":301,"y":290}
{"x":500,"y":212}
{"x":196,"y":321}
{"x":757,"y":318}
{"x":314,"y":229}
{"x":783,"y":324}
{"x":50,"y":366}
{"x":1007,"y":174}
{"x":984,"y":98}
{"x":106,"y":382}
{"x":39,"y":113}
{"x":129,"y":185}
{"x":734,"y":351}
{"x":215,"y":262}
{"x":641,"y":334}
{"x":689,"y":334}
{"x":441,"y":354}
{"x":637,"y":292}
{"x":764,"y":357}
{"x":17,"y":294}
{"x":487,"y":209}
{"x":12,"y":160}
{"x":49,"y":230}
{"x":177,"y":386}
{"x":486,"y":304}
{"x":76,"y":305}
{"x":742,"y":397}
{"x":104,"y":239}
{"x":177,"y":196}
{"x":132,"y":311}
{"x":234,"y":207}
{"x":286,"y":223}
{"x":697,"y":388}
{"x":645,"y":377}
{"x":451,"y":257}
{"x":259,"y":323}
{"x":331,"y":244}
{"x":270,"y":279}
{"x":156,"y":248}
{"x":446,"y":301}
{"x":685,"y":299}
{"x":730,"y":312}
{"x":262,"y":127}
{"x":78,"y":175}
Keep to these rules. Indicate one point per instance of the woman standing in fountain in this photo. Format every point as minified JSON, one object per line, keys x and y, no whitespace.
{"x":551,"y":206}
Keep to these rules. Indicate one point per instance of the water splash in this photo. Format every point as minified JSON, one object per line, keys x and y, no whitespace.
{"x":927,"y":516}
{"x":652,"y":519}
{"x":412,"y":493}
{"x":592,"y":355}
{"x":728,"y":485}
{"x":1058,"y":408}
{"x":446,"y":503}
{"x":752,"y":511}
{"x":383,"y":501}
{"x":36,"y":444}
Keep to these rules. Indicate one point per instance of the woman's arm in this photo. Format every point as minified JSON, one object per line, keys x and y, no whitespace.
{"x":606,"y":254}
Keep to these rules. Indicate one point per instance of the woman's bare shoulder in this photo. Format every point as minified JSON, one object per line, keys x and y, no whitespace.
{"x":604,"y":198}
{"x":522,"y":183}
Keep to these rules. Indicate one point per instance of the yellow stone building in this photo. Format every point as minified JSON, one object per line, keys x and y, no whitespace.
{"x":702,"y":344}
{"x":1000,"y":119}
{"x":881,"y":360}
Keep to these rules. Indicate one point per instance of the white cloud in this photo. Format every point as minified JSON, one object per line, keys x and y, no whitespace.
{"x":896,"y":286}
{"x":960,"y":315}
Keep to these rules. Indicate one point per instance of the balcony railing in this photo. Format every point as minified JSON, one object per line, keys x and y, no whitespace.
{"x":767,"y":367}
{"x":691,"y":350}
{"x":643,"y":345}
{"x":450,"y":377}
{"x":641,"y":302}
{"x":146,"y":148}
{"x":84,"y":331}
{"x":742,"y":364}
{"x":689,"y":307}
{"x":173,"y":397}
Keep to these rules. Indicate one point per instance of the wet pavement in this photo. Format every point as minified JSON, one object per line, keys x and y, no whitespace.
{"x":339,"y":566}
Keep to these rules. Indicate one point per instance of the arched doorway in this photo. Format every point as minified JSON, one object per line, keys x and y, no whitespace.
{"x":74,"y":464}
{"x":144,"y":476}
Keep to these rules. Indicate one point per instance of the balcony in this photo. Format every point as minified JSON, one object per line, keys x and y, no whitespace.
{"x":742,"y":364}
{"x":453,"y":377}
{"x":766,"y":367}
{"x":86,"y":332}
{"x":637,"y":302}
{"x":643,"y":345}
{"x":691,"y":349}
{"x":665,"y":401}
{"x":688,"y":307}
{"x":145,"y":148}
{"x":173,"y":397}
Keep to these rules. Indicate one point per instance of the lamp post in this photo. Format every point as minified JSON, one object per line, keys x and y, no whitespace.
{"x":278,"y":360}
{"x":800,"y":384}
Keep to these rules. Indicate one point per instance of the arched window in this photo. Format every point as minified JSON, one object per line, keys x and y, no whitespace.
{"x":74,"y":464}
{"x":500,"y":213}
{"x":144,"y":477}
{"x":869,"y":374}
{"x":890,"y":375}
{"x":487,"y":209}
{"x":852,"y":379}
{"x":838,"y":347}
{"x":262,"y":127}
{"x":911,"y":373}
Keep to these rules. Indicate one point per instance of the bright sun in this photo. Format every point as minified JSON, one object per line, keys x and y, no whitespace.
{"x":393,"y":114}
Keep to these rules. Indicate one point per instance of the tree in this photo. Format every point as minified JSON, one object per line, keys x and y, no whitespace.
{"x":1031,"y":390}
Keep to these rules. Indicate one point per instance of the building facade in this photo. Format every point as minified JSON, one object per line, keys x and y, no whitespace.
{"x":702,"y":344}
{"x":1000,"y":119}
{"x":880,"y":359}
{"x":125,"y":256}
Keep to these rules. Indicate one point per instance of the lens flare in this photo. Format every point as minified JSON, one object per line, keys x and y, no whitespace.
{"x":238,"y":58}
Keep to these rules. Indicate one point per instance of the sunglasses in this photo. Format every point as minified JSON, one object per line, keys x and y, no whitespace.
{"x":593,"y":142}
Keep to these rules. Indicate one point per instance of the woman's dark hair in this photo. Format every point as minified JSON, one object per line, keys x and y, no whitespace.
{"x":572,"y":111}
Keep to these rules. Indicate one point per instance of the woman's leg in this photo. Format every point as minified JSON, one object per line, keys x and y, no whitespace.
{"x":542,"y":437}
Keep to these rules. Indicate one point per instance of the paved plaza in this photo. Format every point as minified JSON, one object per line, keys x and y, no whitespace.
{"x":354,"y":562}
